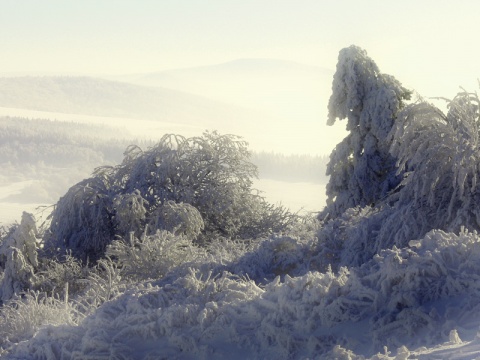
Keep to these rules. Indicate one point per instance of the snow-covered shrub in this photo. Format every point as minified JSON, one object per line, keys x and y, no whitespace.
{"x":222,"y":251}
{"x":54,"y":276}
{"x":278,"y":255}
{"x":20,"y":251}
{"x":82,"y":222}
{"x":178,"y":218}
{"x":349,"y":239}
{"x":425,"y":289}
{"x":152,"y":256}
{"x":5,"y":233}
{"x":104,"y":283}
{"x":130,"y":212}
{"x":211,"y":173}
{"x":21,"y":318}
{"x":362,"y":170}
{"x":180,"y":182}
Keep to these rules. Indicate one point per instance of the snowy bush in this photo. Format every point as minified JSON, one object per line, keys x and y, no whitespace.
{"x":191,"y":184}
{"x":20,"y":251}
{"x":275,"y":256}
{"x":20,"y":319}
{"x":130,"y":212}
{"x":82,"y":221}
{"x":104,"y":283}
{"x":5,"y":233}
{"x":349,"y":239}
{"x":180,"y":219}
{"x":152,"y":256}
{"x":54,"y":276}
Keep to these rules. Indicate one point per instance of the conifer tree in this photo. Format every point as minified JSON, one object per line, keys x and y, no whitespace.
{"x":361,"y":169}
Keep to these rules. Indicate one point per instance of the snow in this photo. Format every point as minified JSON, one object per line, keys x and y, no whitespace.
{"x":394,"y":305}
{"x":201,"y":315}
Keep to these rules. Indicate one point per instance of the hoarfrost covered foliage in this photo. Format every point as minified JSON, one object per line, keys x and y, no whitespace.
{"x":198,"y":266}
{"x":20,"y":319}
{"x":195,"y":186}
{"x":440,"y":155}
{"x":423,"y":168}
{"x":362,"y":170}
{"x":153,"y":256}
{"x":82,"y":221}
{"x":413,"y":296}
{"x":20,"y":251}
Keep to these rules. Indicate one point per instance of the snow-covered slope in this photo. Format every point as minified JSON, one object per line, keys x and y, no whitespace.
{"x":398,"y":304}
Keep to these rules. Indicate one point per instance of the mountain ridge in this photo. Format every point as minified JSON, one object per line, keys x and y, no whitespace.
{"x":104,"y":97}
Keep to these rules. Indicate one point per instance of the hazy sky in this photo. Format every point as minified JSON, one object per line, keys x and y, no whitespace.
{"x":431,"y":45}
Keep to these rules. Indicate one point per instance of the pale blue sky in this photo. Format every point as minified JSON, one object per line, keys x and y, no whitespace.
{"x":429,"y":45}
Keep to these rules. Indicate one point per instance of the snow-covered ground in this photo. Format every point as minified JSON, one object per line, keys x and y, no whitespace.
{"x":378,"y":310}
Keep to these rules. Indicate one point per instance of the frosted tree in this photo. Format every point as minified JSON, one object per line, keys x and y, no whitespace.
{"x":442,"y":155}
{"x":212,"y":173}
{"x":438,"y":158}
{"x":20,"y":250}
{"x":361,"y":169}
{"x":200,"y":185}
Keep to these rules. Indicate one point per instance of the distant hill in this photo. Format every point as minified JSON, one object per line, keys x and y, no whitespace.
{"x":281,"y":88}
{"x":100,"y":97}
